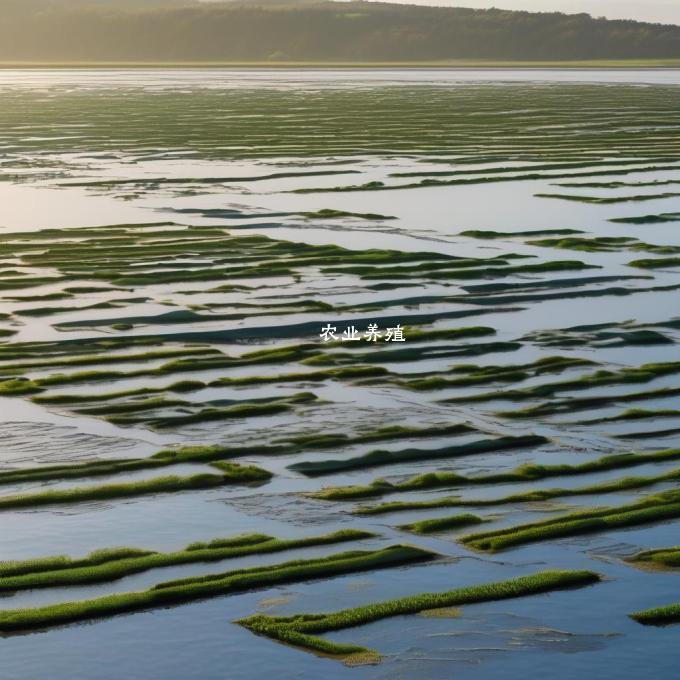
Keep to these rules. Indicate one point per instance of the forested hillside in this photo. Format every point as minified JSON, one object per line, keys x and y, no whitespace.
{"x":185,"y":30}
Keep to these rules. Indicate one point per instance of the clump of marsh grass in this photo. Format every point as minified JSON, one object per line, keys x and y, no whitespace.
{"x":490,"y":235}
{"x":266,"y":406}
{"x":431,"y":526}
{"x":660,"y":558}
{"x":540,"y":495}
{"x":111,"y":564}
{"x":215,"y":453}
{"x":640,"y":374}
{"x":523,"y":473}
{"x":40,"y":565}
{"x":649,"y":219}
{"x":651,"y":509}
{"x":633,"y":414}
{"x":18,"y":387}
{"x":657,"y":263}
{"x":658,"y":616}
{"x":169,"y":484}
{"x":303,"y":630}
{"x":329,"y":213}
{"x":382,"y":457}
{"x":218,"y":585}
{"x":572,"y":405}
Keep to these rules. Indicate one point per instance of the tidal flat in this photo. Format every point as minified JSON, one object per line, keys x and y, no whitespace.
{"x":173,"y":242}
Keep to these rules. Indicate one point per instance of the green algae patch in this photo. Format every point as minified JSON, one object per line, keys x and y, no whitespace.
{"x":538,"y":496}
{"x":112,"y":564}
{"x":189,"y":590}
{"x":79,"y":470}
{"x":652,"y":509}
{"x":660,"y":558}
{"x":134,"y":256}
{"x":18,"y":387}
{"x":624,"y":376}
{"x":382,"y":457}
{"x":170,"y":484}
{"x":584,"y":403}
{"x":663,"y":218}
{"x":472,"y":270}
{"x":47,"y":297}
{"x":220,"y":454}
{"x":617,"y":185}
{"x":303,"y":630}
{"x":430,"y":181}
{"x":206,"y":415}
{"x":626,"y":334}
{"x":345,"y":373}
{"x":40,"y":565}
{"x":658,"y":616}
{"x":247,"y":409}
{"x":88,"y":360}
{"x":408,"y":354}
{"x":654,"y":434}
{"x":387,"y":433}
{"x":433,"y":526}
{"x":523,"y":473}
{"x":206,"y":180}
{"x":632,"y":414}
{"x":481,"y":375}
{"x":241,"y":474}
{"x":57,"y":399}
{"x":329,"y":214}
{"x":135,"y":406}
{"x":602,"y":244}
{"x":656,"y":263}
{"x":607,"y":200}
{"x":491,"y":235}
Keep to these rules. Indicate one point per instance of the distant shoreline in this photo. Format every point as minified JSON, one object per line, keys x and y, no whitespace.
{"x":461,"y":64}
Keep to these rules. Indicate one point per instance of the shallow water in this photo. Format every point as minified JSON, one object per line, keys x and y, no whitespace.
{"x":224,"y":130}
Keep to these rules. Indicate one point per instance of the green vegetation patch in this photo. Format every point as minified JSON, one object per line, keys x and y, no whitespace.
{"x":660,"y":558}
{"x":246,"y":409}
{"x":89,"y":360}
{"x":656,"y":263}
{"x":112,"y":564}
{"x":658,"y":616}
{"x":633,"y":414}
{"x":584,"y":403}
{"x":216,"y":453}
{"x":624,"y":376}
{"x":303,"y":630}
{"x":648,"y":219}
{"x":523,"y":473}
{"x":383,"y":457}
{"x":656,"y":508}
{"x":491,"y":235}
{"x":173,"y":593}
{"x":171,"y":484}
{"x":481,"y":375}
{"x":433,"y":526}
{"x":329,"y":213}
{"x":540,"y":495}
{"x":606,"y":200}
{"x":627,"y":334}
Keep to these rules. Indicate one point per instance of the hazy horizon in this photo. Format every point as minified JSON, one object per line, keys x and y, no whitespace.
{"x":657,"y":11}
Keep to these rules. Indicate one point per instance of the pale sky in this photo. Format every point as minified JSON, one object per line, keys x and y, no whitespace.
{"x":663,"y":11}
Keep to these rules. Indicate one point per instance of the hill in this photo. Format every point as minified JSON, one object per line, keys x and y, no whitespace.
{"x":312,"y":31}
